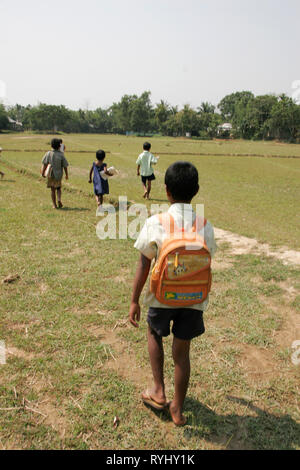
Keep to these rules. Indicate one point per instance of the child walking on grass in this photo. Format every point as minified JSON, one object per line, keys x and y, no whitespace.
{"x":99,"y":169}
{"x":58,"y":163}
{"x":181,"y":180}
{"x":1,"y":172}
{"x":144,"y":168}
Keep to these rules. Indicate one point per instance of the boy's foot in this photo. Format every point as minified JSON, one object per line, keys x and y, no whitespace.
{"x":177,"y":417}
{"x":145,"y":194}
{"x":60,"y":204}
{"x":156,"y":403}
{"x":2,"y":175}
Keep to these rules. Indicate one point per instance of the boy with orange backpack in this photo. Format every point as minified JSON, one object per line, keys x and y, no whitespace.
{"x":182,"y":246}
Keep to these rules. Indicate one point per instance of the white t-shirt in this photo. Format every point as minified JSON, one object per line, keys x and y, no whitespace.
{"x":152,"y":235}
{"x":146,"y":160}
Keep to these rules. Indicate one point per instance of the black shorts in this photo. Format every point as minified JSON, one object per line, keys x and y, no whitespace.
{"x":187,"y":322}
{"x":148,"y":178}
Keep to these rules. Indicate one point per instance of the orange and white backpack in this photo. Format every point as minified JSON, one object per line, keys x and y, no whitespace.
{"x":182,"y":273}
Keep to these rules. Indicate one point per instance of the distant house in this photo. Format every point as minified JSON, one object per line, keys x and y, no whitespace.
{"x":15,"y":125}
{"x":225,"y":129}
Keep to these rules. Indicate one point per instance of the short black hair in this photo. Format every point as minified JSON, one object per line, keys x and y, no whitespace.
{"x":100,"y":155}
{"x":55,"y":144}
{"x":147,"y":146}
{"x":181,"y":180}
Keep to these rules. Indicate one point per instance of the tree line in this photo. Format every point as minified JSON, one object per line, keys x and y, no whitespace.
{"x":252,"y":117}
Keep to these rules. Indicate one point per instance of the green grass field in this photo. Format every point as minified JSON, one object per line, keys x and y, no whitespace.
{"x":253,"y":196}
{"x":73,"y":361}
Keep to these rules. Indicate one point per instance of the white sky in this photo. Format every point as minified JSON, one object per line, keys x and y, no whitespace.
{"x":89,"y":53}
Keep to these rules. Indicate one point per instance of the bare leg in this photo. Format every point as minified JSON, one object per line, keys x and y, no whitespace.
{"x":156,"y":353}
{"x":145,"y":191}
{"x":2,"y":174}
{"x":148,"y":189}
{"x":181,"y":357}
{"x":99,"y":199}
{"x":53,"y":197}
{"x":59,"y":197}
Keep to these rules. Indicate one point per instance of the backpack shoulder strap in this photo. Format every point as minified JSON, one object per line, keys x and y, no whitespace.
{"x":199,"y":224}
{"x":168,"y":222}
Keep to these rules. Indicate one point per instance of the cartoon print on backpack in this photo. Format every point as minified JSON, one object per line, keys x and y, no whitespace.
{"x":178,"y":268}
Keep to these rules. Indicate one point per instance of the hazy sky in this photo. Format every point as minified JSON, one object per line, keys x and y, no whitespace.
{"x":89,"y":53}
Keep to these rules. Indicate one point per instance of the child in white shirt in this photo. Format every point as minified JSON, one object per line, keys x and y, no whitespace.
{"x":181,"y":182}
{"x":144,"y":168}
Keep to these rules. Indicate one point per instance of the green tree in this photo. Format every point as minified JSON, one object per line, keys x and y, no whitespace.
{"x":48,"y":117}
{"x":208,"y":120}
{"x":141,"y":113}
{"x":3,"y":117}
{"x":255,"y":115}
{"x":206,"y":108}
{"x":228,"y":105}
{"x":188,"y":120}
{"x":284,"y":121}
{"x":162,"y":113}
{"x":121,"y":113}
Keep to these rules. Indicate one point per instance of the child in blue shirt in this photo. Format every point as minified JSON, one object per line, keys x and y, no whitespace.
{"x":99,"y":169}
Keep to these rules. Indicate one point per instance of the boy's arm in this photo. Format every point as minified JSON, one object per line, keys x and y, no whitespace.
{"x":43,"y":169}
{"x":45,"y":162}
{"x":138,"y":170}
{"x":106,"y":171}
{"x":65,"y":165}
{"x":91,"y":172}
{"x":141,"y":275}
{"x":154,"y":159}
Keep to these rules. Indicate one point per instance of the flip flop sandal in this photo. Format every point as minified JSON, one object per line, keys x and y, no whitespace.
{"x":151,"y":402}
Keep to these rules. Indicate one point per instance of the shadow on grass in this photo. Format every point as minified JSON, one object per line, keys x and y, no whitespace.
{"x":74,"y":209}
{"x":4,"y":180}
{"x":263,"y":430}
{"x":159,"y":200}
{"x":259,"y":431}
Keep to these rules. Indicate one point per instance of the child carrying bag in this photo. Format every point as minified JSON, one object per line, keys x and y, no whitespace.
{"x":49,"y":169}
{"x":182,"y":273}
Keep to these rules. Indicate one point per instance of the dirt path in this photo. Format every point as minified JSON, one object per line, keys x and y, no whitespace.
{"x":243,"y":245}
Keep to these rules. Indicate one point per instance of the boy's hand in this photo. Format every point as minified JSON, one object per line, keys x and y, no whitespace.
{"x":90,"y":181}
{"x":134,"y":314}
